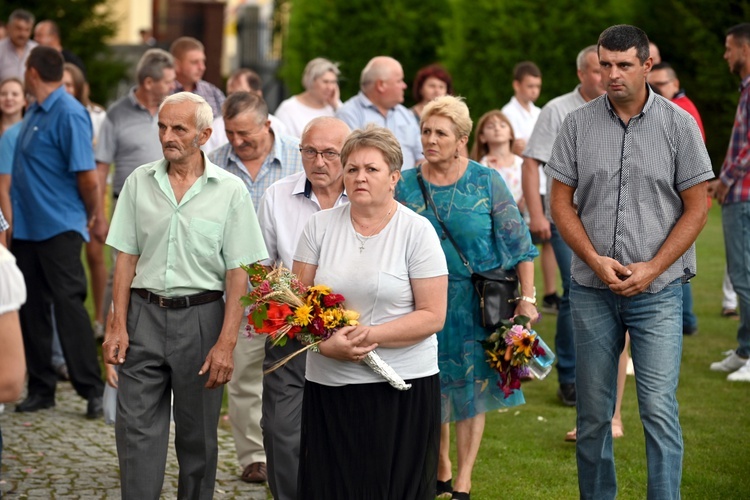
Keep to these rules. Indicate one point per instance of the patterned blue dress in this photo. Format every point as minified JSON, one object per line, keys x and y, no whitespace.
{"x":486,"y":224}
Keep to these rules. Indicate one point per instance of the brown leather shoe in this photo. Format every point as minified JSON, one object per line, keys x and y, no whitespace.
{"x":254,"y":473}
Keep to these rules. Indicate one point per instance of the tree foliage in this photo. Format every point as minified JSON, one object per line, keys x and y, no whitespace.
{"x":85,"y":25}
{"x":480,"y":41}
{"x":691,"y":38}
{"x":355,"y":31}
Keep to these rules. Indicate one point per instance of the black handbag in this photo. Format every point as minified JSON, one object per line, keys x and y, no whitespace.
{"x":497,"y":288}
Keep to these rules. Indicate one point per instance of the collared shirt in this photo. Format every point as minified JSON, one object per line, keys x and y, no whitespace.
{"x":358,"y":111}
{"x":283,"y":159}
{"x":521,"y":119}
{"x":129,"y":138}
{"x":628,"y":180}
{"x":539,"y":145}
{"x":10,"y":64}
{"x":3,"y":223}
{"x":283,"y":212}
{"x":734,"y":171}
{"x":213,"y":96}
{"x":185,"y":247}
{"x":53,"y":146}
{"x":8,"y":148}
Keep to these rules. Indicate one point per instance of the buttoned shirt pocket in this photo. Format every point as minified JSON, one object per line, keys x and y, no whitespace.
{"x":203,"y":237}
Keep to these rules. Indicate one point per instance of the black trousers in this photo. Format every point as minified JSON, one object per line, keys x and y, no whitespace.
{"x":54,"y":275}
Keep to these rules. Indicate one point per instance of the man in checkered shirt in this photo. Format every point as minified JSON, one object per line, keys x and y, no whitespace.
{"x":628,"y":195}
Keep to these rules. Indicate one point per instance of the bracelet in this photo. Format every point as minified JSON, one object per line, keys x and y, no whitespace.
{"x":531,"y":300}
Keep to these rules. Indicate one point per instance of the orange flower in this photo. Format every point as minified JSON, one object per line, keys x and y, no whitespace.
{"x":276,"y":319}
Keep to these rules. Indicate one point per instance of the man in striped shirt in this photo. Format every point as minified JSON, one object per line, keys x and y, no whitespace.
{"x":629,"y":198}
{"x":733,"y":192}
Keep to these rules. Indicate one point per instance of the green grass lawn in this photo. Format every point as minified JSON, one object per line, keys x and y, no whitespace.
{"x":523,"y":454}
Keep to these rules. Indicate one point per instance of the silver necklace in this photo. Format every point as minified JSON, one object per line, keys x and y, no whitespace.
{"x":450,"y":207}
{"x":364,"y":238}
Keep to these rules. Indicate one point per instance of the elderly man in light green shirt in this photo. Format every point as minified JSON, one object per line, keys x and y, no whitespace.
{"x":183,"y":227}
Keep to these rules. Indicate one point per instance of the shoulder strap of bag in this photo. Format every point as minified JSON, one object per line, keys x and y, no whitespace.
{"x":428,"y":201}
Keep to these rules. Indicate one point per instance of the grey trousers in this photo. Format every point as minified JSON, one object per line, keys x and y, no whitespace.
{"x":167,"y":349}
{"x":282,"y":418}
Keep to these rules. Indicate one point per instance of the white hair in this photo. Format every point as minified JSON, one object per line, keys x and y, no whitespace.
{"x":317,"y":68}
{"x":204,"y":117}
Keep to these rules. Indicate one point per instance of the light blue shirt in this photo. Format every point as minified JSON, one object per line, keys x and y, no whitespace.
{"x":284,"y":159}
{"x":54,"y":145}
{"x":359,"y":111}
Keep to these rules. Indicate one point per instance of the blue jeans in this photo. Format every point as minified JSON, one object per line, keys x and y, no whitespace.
{"x":689,"y":321}
{"x":654,"y":320}
{"x":564,"y":340}
{"x":735,"y":219}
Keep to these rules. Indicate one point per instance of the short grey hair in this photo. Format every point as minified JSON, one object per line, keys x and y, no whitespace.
{"x":238,"y":103}
{"x":21,"y":15}
{"x":152,"y":65}
{"x":204,"y":117}
{"x":581,"y":58}
{"x":317,"y":68}
{"x":376,"y":69}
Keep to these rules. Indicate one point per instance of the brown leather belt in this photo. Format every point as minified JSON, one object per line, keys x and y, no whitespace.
{"x":178,"y":302}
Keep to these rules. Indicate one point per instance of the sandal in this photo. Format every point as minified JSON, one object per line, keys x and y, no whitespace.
{"x":444,"y":488}
{"x":460,"y":495}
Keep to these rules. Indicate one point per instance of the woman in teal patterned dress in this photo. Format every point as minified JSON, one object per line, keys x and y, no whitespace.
{"x":479,"y":211}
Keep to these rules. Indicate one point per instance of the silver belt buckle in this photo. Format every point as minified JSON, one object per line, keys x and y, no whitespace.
{"x":161,"y":302}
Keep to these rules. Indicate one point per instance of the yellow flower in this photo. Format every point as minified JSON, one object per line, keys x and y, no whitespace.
{"x":493,"y":360}
{"x":321,"y":289}
{"x":302,"y":315}
{"x":524,"y":344}
{"x":331,"y":317}
{"x":351,"y":317}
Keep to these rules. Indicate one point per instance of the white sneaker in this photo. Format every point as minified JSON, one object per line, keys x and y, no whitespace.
{"x":731,"y":363}
{"x":741,"y":375}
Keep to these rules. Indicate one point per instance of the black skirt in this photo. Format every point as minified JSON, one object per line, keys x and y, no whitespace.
{"x":370,"y":441}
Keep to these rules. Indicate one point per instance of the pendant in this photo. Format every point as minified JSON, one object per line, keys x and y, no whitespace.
{"x":361,"y":247}
{"x":443,"y":236}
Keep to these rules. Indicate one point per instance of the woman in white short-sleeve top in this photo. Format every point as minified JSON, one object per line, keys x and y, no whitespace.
{"x":361,"y":438}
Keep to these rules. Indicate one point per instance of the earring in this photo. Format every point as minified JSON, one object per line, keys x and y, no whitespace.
{"x":455,"y":155}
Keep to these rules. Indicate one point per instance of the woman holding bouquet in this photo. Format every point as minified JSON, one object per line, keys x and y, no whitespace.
{"x":478,"y":209}
{"x":361,"y":438}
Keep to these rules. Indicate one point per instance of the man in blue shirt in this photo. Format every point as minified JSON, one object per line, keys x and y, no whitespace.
{"x":55,"y":196}
{"x":379,"y":101}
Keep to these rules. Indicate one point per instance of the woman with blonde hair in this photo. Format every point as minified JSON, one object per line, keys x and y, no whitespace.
{"x":475,"y":206}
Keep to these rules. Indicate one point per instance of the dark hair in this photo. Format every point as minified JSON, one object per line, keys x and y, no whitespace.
{"x":740,"y":32}
{"x":524,"y":69}
{"x":21,"y":15}
{"x":48,"y":62}
{"x":431,"y":71}
{"x":665,"y":66}
{"x":241,"y":102}
{"x":623,"y":37}
{"x":251,"y":78}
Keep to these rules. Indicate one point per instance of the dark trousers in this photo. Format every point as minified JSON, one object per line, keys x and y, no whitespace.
{"x":167,"y":349}
{"x":54,"y":275}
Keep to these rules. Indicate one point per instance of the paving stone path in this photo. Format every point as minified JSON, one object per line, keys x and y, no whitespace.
{"x":57,"y":453}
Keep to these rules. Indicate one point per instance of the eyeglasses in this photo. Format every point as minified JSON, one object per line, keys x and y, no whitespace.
{"x":311,"y":154}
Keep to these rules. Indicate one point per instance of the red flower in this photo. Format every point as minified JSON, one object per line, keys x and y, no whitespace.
{"x":294,"y":330}
{"x":332,"y":299}
{"x":277,"y":318}
{"x":317,"y":327}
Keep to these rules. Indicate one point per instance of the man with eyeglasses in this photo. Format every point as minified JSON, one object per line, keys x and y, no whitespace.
{"x":259,"y":157}
{"x":283,"y":212}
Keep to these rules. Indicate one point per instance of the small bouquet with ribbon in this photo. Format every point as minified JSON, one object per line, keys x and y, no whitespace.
{"x":282,"y":307}
{"x":516,"y":352}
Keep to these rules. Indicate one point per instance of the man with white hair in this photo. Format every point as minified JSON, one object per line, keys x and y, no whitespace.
{"x":183,"y":227}
{"x":379,"y":101}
